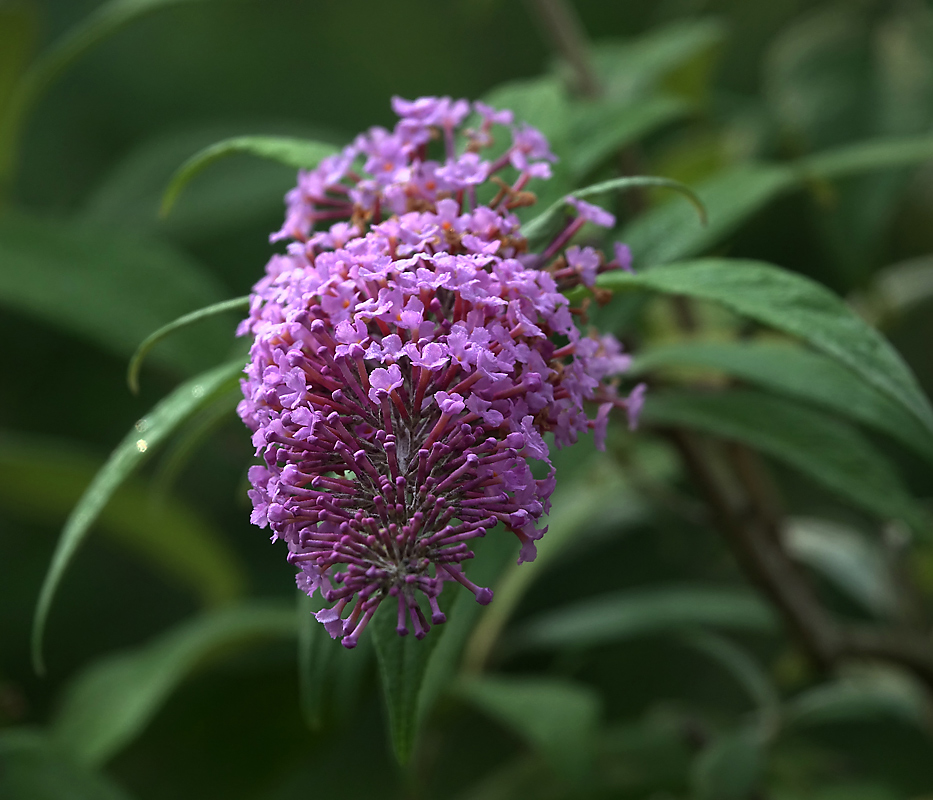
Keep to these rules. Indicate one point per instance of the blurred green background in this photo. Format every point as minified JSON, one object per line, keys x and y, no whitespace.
{"x":661,"y":711}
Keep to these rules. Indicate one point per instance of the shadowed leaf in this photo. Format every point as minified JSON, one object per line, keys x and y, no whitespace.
{"x":827,"y":450}
{"x":111,"y":289}
{"x":558,"y":718}
{"x":170,"y":535}
{"x":798,"y":373}
{"x":140,"y":443}
{"x":136,"y":362}
{"x":640,"y":612}
{"x":113,"y":700}
{"x":298,"y":153}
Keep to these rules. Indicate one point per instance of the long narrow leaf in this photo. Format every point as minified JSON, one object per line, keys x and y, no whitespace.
{"x":147,"y":435}
{"x":97,"y":27}
{"x":298,"y":153}
{"x":825,"y":449}
{"x":730,"y":197}
{"x":33,"y":768}
{"x":796,"y":305}
{"x":605,"y":127}
{"x":639,"y":612}
{"x":867,"y":156}
{"x":136,"y":362}
{"x":558,"y":718}
{"x":173,"y":537}
{"x":798,"y":373}
{"x":734,"y":196}
{"x":111,"y":289}
{"x":541,"y":225}
{"x":114,"y":699}
{"x":403,"y":661}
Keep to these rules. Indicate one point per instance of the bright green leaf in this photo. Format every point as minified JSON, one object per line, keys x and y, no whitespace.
{"x":171,"y":536}
{"x":33,"y":768}
{"x":798,"y":373}
{"x":825,"y":449}
{"x":730,"y":767}
{"x":558,"y":718}
{"x":639,"y":612}
{"x":111,"y":289}
{"x":113,"y":700}
{"x":140,"y":443}
{"x":794,"y":304}
{"x":297,"y":153}
{"x":132,"y":372}
{"x":403,"y":661}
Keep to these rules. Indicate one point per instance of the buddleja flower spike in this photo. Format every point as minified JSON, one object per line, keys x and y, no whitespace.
{"x":408,"y":359}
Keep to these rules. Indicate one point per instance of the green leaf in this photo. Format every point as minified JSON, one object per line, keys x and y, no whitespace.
{"x":105,"y":21}
{"x":17,"y":39}
{"x":733,"y":196}
{"x":746,"y":671}
{"x":639,"y":612}
{"x":798,"y":373}
{"x":494,"y":554}
{"x":825,"y":449}
{"x":599,"y":496}
{"x":541,"y":225}
{"x":329,"y":675}
{"x":867,"y":693}
{"x":111,"y":289}
{"x":796,"y":305}
{"x":138,"y":445}
{"x":112,"y":701}
{"x":235,"y":193}
{"x":558,"y":718}
{"x":403,"y":661}
{"x":730,"y":767}
{"x":850,"y":561}
{"x":730,"y":197}
{"x":602,"y":128}
{"x":172,"y":536}
{"x":298,"y":153}
{"x":634,"y":67}
{"x":898,"y":289}
{"x":33,"y":768}
{"x":132,"y":372}
{"x":541,"y":102}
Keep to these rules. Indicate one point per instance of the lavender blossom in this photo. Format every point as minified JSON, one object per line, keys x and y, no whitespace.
{"x":408,"y":360}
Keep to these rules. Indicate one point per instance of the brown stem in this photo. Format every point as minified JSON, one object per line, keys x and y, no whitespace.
{"x":762,"y":559}
{"x":755,"y":541}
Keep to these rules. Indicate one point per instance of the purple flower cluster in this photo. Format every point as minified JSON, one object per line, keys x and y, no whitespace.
{"x":408,"y":358}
